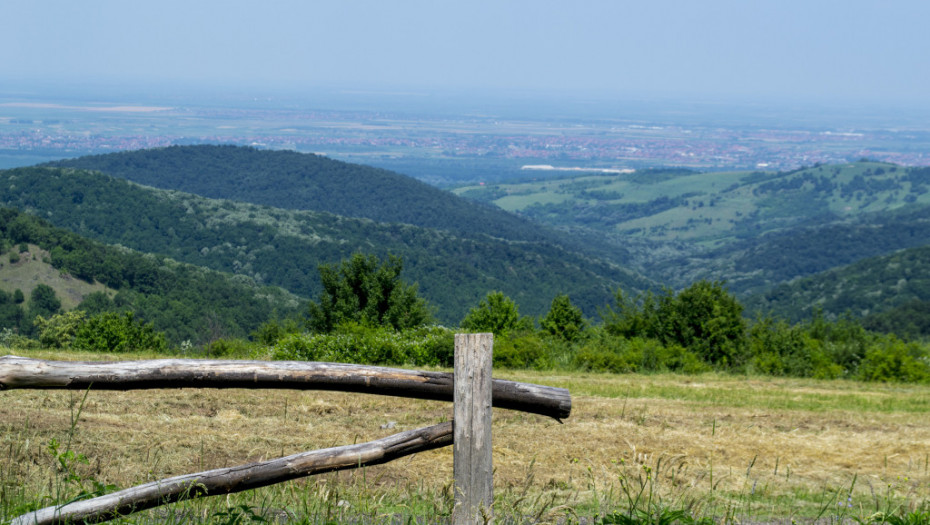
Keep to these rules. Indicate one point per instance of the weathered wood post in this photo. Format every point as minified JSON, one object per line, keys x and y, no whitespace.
{"x":471,"y":447}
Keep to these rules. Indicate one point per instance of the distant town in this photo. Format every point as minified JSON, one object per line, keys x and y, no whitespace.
{"x":49,"y":130}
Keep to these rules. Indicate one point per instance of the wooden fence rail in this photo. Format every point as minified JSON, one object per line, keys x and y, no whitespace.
{"x":470,"y":387}
{"x":20,"y":372}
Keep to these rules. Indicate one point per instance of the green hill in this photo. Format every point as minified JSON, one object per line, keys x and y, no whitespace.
{"x":183,"y":301}
{"x":753,"y":229}
{"x":867,"y":287}
{"x":284,"y":247}
{"x":302,"y":181}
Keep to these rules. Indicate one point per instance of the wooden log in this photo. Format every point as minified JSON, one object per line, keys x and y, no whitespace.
{"x":20,"y":372}
{"x":241,"y":478}
{"x":471,"y":451}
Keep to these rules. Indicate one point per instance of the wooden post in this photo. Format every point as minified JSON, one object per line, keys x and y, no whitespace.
{"x":472,"y":429}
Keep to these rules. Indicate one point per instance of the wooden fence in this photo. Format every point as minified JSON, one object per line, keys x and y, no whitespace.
{"x":470,"y":388}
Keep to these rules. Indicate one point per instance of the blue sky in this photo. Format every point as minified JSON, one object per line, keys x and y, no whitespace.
{"x":852,"y":50}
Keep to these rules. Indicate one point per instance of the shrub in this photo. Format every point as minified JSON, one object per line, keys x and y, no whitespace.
{"x":892,"y":360}
{"x":59,"y":330}
{"x":352,"y":343}
{"x":227,"y":348}
{"x":526,"y":350}
{"x":619,"y":355}
{"x":113,"y":332}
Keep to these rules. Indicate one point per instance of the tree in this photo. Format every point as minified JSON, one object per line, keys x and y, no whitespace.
{"x":564,"y":319}
{"x":706,"y":319}
{"x":369,"y":292}
{"x":496,"y":313}
{"x":43,"y":301}
{"x":703,"y":318}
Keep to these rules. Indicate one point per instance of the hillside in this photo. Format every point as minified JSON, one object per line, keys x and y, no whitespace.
{"x":183,"y":301}
{"x":285,"y":247}
{"x":867,"y":287}
{"x":753,"y":229}
{"x":303,"y":181}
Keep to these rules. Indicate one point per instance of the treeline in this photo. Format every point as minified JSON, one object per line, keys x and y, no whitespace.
{"x":183,"y":302}
{"x":368,"y":314}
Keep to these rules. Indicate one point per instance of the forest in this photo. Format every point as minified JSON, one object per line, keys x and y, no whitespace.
{"x":283,"y":248}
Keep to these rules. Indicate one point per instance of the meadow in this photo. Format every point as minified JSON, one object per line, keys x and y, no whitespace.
{"x":733,"y":448}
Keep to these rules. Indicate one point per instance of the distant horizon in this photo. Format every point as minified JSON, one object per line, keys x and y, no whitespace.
{"x":510,"y":102}
{"x":841,"y":55}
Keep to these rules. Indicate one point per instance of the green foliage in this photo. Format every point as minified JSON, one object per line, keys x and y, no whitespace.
{"x":230,"y":348}
{"x":59,"y":330}
{"x":43,"y":301}
{"x":892,"y":360}
{"x":11,"y":311}
{"x":113,"y":332}
{"x":352,"y":343}
{"x":607,"y":353}
{"x":278,"y":247}
{"x":703,"y":318}
{"x":524,"y":350}
{"x":496,"y":313}
{"x":274,"y":330}
{"x":183,"y":301}
{"x":366,"y":291}
{"x":14,"y":257}
{"x":564,"y":320}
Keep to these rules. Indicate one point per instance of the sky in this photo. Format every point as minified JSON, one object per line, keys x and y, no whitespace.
{"x":860,"y":51}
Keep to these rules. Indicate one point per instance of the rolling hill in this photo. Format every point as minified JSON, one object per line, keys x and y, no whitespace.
{"x":304,"y":181}
{"x":752,"y":229}
{"x":865,"y":288}
{"x":284,"y":247}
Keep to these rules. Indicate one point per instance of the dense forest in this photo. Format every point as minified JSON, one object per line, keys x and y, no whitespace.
{"x":182,"y":301}
{"x":303,"y":181}
{"x":899,"y":282}
{"x":285,"y":247}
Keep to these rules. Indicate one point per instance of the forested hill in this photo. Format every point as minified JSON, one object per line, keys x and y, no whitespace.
{"x":303,"y":181}
{"x":866,"y":288}
{"x":285,"y":247}
{"x":183,"y":301}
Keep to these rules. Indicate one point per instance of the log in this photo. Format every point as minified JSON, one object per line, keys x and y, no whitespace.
{"x":20,"y":372}
{"x":241,"y":478}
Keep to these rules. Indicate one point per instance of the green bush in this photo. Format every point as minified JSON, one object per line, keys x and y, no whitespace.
{"x":229,"y":348}
{"x":619,"y":355}
{"x":58,"y":331}
{"x":526,"y":350}
{"x":113,"y":332}
{"x":425,"y":346}
{"x":892,"y":360}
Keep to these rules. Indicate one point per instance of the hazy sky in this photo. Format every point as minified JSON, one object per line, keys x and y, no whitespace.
{"x":855,"y":50}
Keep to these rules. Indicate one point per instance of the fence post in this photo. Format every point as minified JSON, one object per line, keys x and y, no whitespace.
{"x":471,"y":447}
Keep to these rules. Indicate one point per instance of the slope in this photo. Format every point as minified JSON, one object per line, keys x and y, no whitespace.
{"x":754,"y":229}
{"x":183,"y":301}
{"x":302,"y":181}
{"x":870,"y":286}
{"x":285,"y":247}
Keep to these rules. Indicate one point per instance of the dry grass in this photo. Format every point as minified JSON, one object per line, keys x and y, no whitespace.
{"x":706,"y":443}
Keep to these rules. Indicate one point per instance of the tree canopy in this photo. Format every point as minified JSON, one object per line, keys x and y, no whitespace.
{"x":367,"y":291}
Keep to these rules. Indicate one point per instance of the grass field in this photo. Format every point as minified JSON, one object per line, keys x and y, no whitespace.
{"x":738,"y":449}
